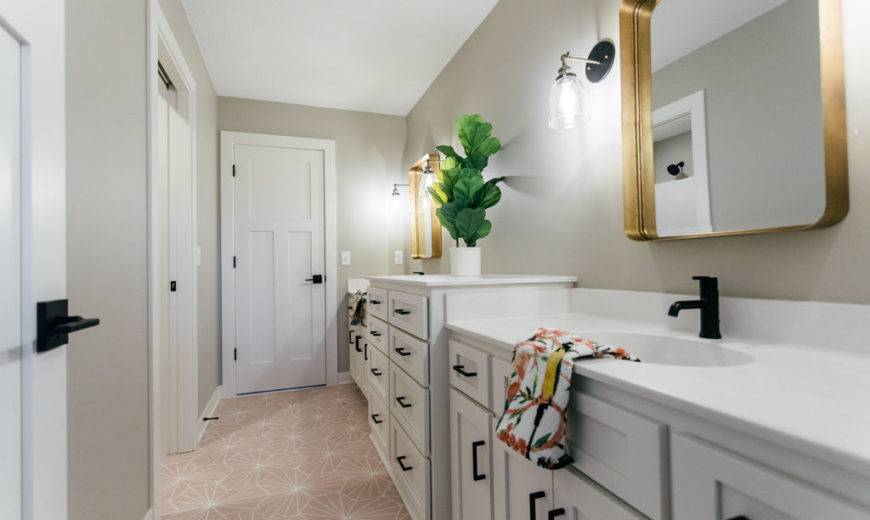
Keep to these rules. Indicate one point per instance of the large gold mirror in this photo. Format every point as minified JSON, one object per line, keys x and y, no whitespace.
{"x":425,"y":226}
{"x":733,"y":117}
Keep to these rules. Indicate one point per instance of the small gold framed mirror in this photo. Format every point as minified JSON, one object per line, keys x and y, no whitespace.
{"x":734,"y":117}
{"x":425,"y":226}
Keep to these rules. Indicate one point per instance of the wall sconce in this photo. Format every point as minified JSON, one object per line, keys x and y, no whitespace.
{"x":566,"y":96}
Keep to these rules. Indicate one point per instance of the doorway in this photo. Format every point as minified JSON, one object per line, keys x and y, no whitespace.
{"x":173,"y":248}
{"x":279,"y":300}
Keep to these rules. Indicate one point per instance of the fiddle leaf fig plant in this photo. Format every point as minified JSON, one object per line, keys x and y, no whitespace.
{"x":461,"y":195}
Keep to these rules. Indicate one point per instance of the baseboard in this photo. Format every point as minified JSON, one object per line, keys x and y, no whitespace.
{"x":344,"y":378}
{"x":149,"y":515}
{"x":212,"y":405}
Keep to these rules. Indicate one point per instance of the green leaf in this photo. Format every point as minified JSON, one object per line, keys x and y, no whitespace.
{"x":483,"y":230}
{"x":447,"y":216}
{"x":448,"y":151}
{"x":469,"y":222}
{"x":437,"y":195}
{"x":489,"y":195}
{"x":469,"y":184}
{"x":450,"y":163}
{"x":489,"y":146}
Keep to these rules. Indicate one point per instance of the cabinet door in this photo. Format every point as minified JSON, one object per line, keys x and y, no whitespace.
{"x":471,"y":478}
{"x":521,"y":490}
{"x":713,"y":484}
{"x":577,"y":497}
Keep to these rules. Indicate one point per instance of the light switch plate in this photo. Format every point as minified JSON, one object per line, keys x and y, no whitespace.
{"x":398,"y":257}
{"x":345,"y":258}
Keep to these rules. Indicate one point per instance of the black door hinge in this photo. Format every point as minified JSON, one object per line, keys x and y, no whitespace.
{"x":172,"y":286}
{"x":235,"y":354}
{"x":234,"y":170}
{"x":234,"y":262}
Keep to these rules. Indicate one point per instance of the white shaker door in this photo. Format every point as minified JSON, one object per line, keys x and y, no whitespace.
{"x":278,"y":206}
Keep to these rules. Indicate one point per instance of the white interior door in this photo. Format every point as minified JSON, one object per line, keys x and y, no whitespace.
{"x":278,"y":221}
{"x":33,"y":424}
{"x":10,"y":277}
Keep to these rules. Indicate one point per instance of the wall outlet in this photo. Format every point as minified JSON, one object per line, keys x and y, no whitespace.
{"x":398,"y":257}
{"x":345,"y":258}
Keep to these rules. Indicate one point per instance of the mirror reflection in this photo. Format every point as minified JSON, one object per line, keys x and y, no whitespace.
{"x":738,"y":140}
{"x":425,"y":226}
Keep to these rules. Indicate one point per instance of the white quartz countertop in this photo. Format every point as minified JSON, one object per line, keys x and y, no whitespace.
{"x":445,"y":280}
{"x":811,"y":399}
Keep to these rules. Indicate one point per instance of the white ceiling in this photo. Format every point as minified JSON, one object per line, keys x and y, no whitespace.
{"x":373,"y":56}
{"x":682,"y":26}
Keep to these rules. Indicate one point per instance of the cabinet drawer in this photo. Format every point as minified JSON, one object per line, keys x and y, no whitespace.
{"x":409,"y":404}
{"x":376,"y":303}
{"x":410,"y":312}
{"x":712,"y":484}
{"x":576,"y":497}
{"x":378,"y":372}
{"x":379,"y":421}
{"x":501,"y":375}
{"x":411,"y":473}
{"x":411,"y":354}
{"x":469,"y":372}
{"x":623,"y":451}
{"x":377,"y":331}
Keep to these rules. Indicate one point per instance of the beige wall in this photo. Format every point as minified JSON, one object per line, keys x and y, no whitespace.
{"x":109,"y":472}
{"x":106,"y":214}
{"x":562,"y":205}
{"x":368,"y":160}
{"x":208,"y":281}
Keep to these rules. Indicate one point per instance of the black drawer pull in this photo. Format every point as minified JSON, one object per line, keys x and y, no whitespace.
{"x":401,"y":461}
{"x":460,"y":369}
{"x":402,"y":312}
{"x":375,"y":333}
{"x":376,"y":419}
{"x":358,"y":348}
{"x":402,"y":403}
{"x":350,"y":337}
{"x":556,"y":512}
{"x":741,"y":517}
{"x":366,"y":352}
{"x":402,"y":352}
{"x":376,"y":372}
{"x":533,"y":497}
{"x":474,"y":474}
{"x":375,"y":302}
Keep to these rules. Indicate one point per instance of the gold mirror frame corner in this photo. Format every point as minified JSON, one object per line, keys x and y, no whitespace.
{"x":635,"y":21}
{"x":416,"y":194}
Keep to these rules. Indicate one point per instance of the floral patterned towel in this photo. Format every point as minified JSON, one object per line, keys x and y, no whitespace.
{"x":534,"y":420}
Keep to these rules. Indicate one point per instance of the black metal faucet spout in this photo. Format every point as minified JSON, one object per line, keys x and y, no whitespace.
{"x":708,"y":304}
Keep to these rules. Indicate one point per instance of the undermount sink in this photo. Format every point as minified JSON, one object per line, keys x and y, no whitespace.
{"x":667,"y":350}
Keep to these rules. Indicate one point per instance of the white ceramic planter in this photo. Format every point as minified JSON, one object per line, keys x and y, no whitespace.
{"x":465,"y":261}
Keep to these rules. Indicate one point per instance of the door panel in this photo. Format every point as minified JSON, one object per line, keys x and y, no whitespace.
{"x":279,"y":243}
{"x":521,"y":490}
{"x":470,"y":443}
{"x":10,"y":277}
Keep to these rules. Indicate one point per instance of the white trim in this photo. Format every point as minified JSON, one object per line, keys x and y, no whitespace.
{"x":209,"y":410}
{"x":694,"y":106}
{"x":343,"y":378}
{"x":160,"y":34}
{"x":228,"y":311}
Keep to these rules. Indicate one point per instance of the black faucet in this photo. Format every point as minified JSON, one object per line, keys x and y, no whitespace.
{"x":709,"y":305}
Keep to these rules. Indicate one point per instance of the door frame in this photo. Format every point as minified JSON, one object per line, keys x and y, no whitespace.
{"x":162,"y":44}
{"x":330,"y":207}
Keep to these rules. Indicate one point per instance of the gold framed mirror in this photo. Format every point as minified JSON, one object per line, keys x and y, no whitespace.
{"x":733,"y":117}
{"x":425,"y":226}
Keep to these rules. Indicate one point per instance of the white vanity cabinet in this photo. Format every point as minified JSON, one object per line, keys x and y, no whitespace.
{"x":408,"y":387}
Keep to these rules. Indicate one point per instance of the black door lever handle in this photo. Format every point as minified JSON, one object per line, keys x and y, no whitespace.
{"x":316,"y":278}
{"x":54,"y":324}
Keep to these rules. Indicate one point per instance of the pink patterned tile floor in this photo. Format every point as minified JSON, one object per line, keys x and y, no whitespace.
{"x":302,"y":455}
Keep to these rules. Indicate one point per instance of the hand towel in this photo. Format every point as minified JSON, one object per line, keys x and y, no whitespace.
{"x":534,"y":420}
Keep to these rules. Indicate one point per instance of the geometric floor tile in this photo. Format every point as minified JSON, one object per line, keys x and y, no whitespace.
{"x":299,"y":455}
